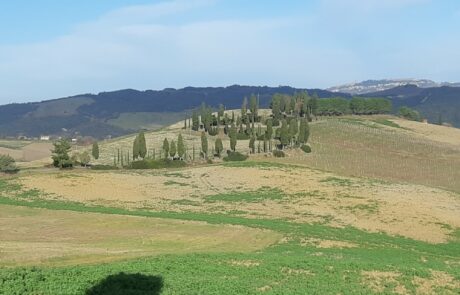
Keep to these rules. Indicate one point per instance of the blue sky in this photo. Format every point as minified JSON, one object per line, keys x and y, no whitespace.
{"x":51,"y":49}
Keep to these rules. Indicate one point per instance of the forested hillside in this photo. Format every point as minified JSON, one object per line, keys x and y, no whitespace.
{"x":438,"y":105}
{"x":113,"y":113}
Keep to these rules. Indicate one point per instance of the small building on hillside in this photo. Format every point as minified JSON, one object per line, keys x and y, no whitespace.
{"x":45,"y":137}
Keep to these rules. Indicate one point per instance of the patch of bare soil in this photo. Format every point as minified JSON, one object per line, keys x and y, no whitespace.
{"x":244,"y":263}
{"x":378,"y":281}
{"x":319,"y":243}
{"x":307,"y":196}
{"x":439,"y":281}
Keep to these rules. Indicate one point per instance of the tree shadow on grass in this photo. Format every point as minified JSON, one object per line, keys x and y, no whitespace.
{"x":127,"y":284}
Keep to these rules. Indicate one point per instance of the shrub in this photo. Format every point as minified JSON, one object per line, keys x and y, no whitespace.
{"x":157,"y":164}
{"x":278,"y":154}
{"x":104,"y":167}
{"x":306,"y":148}
{"x":234,"y":156}
{"x":8,"y":164}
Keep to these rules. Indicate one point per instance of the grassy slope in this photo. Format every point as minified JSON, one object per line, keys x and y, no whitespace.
{"x":146,"y":120}
{"x":379,"y":148}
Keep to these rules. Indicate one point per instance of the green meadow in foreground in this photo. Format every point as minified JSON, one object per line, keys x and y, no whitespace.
{"x":309,"y":259}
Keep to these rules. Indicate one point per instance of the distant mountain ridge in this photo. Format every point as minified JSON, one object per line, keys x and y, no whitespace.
{"x":435,"y":104}
{"x":124,"y":111}
{"x":371,"y":86}
{"x":107,"y":113}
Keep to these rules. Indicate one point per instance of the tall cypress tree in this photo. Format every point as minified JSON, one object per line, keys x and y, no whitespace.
{"x":166,"y":147}
{"x":142,"y":145}
{"x":180,"y":146}
{"x":252,"y":146}
{"x":233,"y":139}
{"x":172,"y":149}
{"x":293,"y":129}
{"x":284,"y":134}
{"x":136,"y":148}
{"x":95,"y":150}
{"x":244,"y":110}
{"x":269,"y":132}
{"x":301,"y":138}
{"x":195,"y":121}
{"x":204,"y":144}
{"x":219,"y":147}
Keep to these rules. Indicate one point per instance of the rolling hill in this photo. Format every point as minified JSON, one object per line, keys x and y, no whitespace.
{"x":430,"y":102}
{"x":124,"y":111}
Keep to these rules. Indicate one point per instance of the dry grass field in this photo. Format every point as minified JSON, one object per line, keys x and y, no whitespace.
{"x":27,"y":153}
{"x":298,"y":194}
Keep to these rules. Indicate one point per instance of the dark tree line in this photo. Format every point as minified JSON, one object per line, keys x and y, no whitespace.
{"x":358,"y":106}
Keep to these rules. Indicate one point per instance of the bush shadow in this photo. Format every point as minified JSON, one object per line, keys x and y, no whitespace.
{"x":127,"y":284}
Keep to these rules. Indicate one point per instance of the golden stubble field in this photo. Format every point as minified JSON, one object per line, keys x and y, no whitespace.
{"x":32,"y":236}
{"x":293,"y":193}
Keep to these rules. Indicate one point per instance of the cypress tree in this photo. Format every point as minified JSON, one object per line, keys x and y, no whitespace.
{"x":219,"y":147}
{"x":142,"y":145}
{"x":172,"y":149}
{"x":307,"y":131}
{"x":252,"y":144}
{"x":301,"y":138}
{"x":166,"y":147}
{"x":276,"y":106}
{"x":180,"y":146}
{"x":244,"y":110}
{"x":136,"y":148}
{"x":293,"y":129}
{"x":95,"y":150}
{"x":284,"y":133}
{"x":204,"y":144}
{"x":253,"y":108}
{"x":233,"y":139}
{"x":269,"y":132}
{"x":221,"y":110}
{"x":292,"y":105}
{"x":195,"y":121}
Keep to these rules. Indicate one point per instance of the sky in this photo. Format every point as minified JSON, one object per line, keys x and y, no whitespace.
{"x":58,"y":48}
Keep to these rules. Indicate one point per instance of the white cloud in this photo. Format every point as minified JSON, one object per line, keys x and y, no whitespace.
{"x":130,"y":47}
